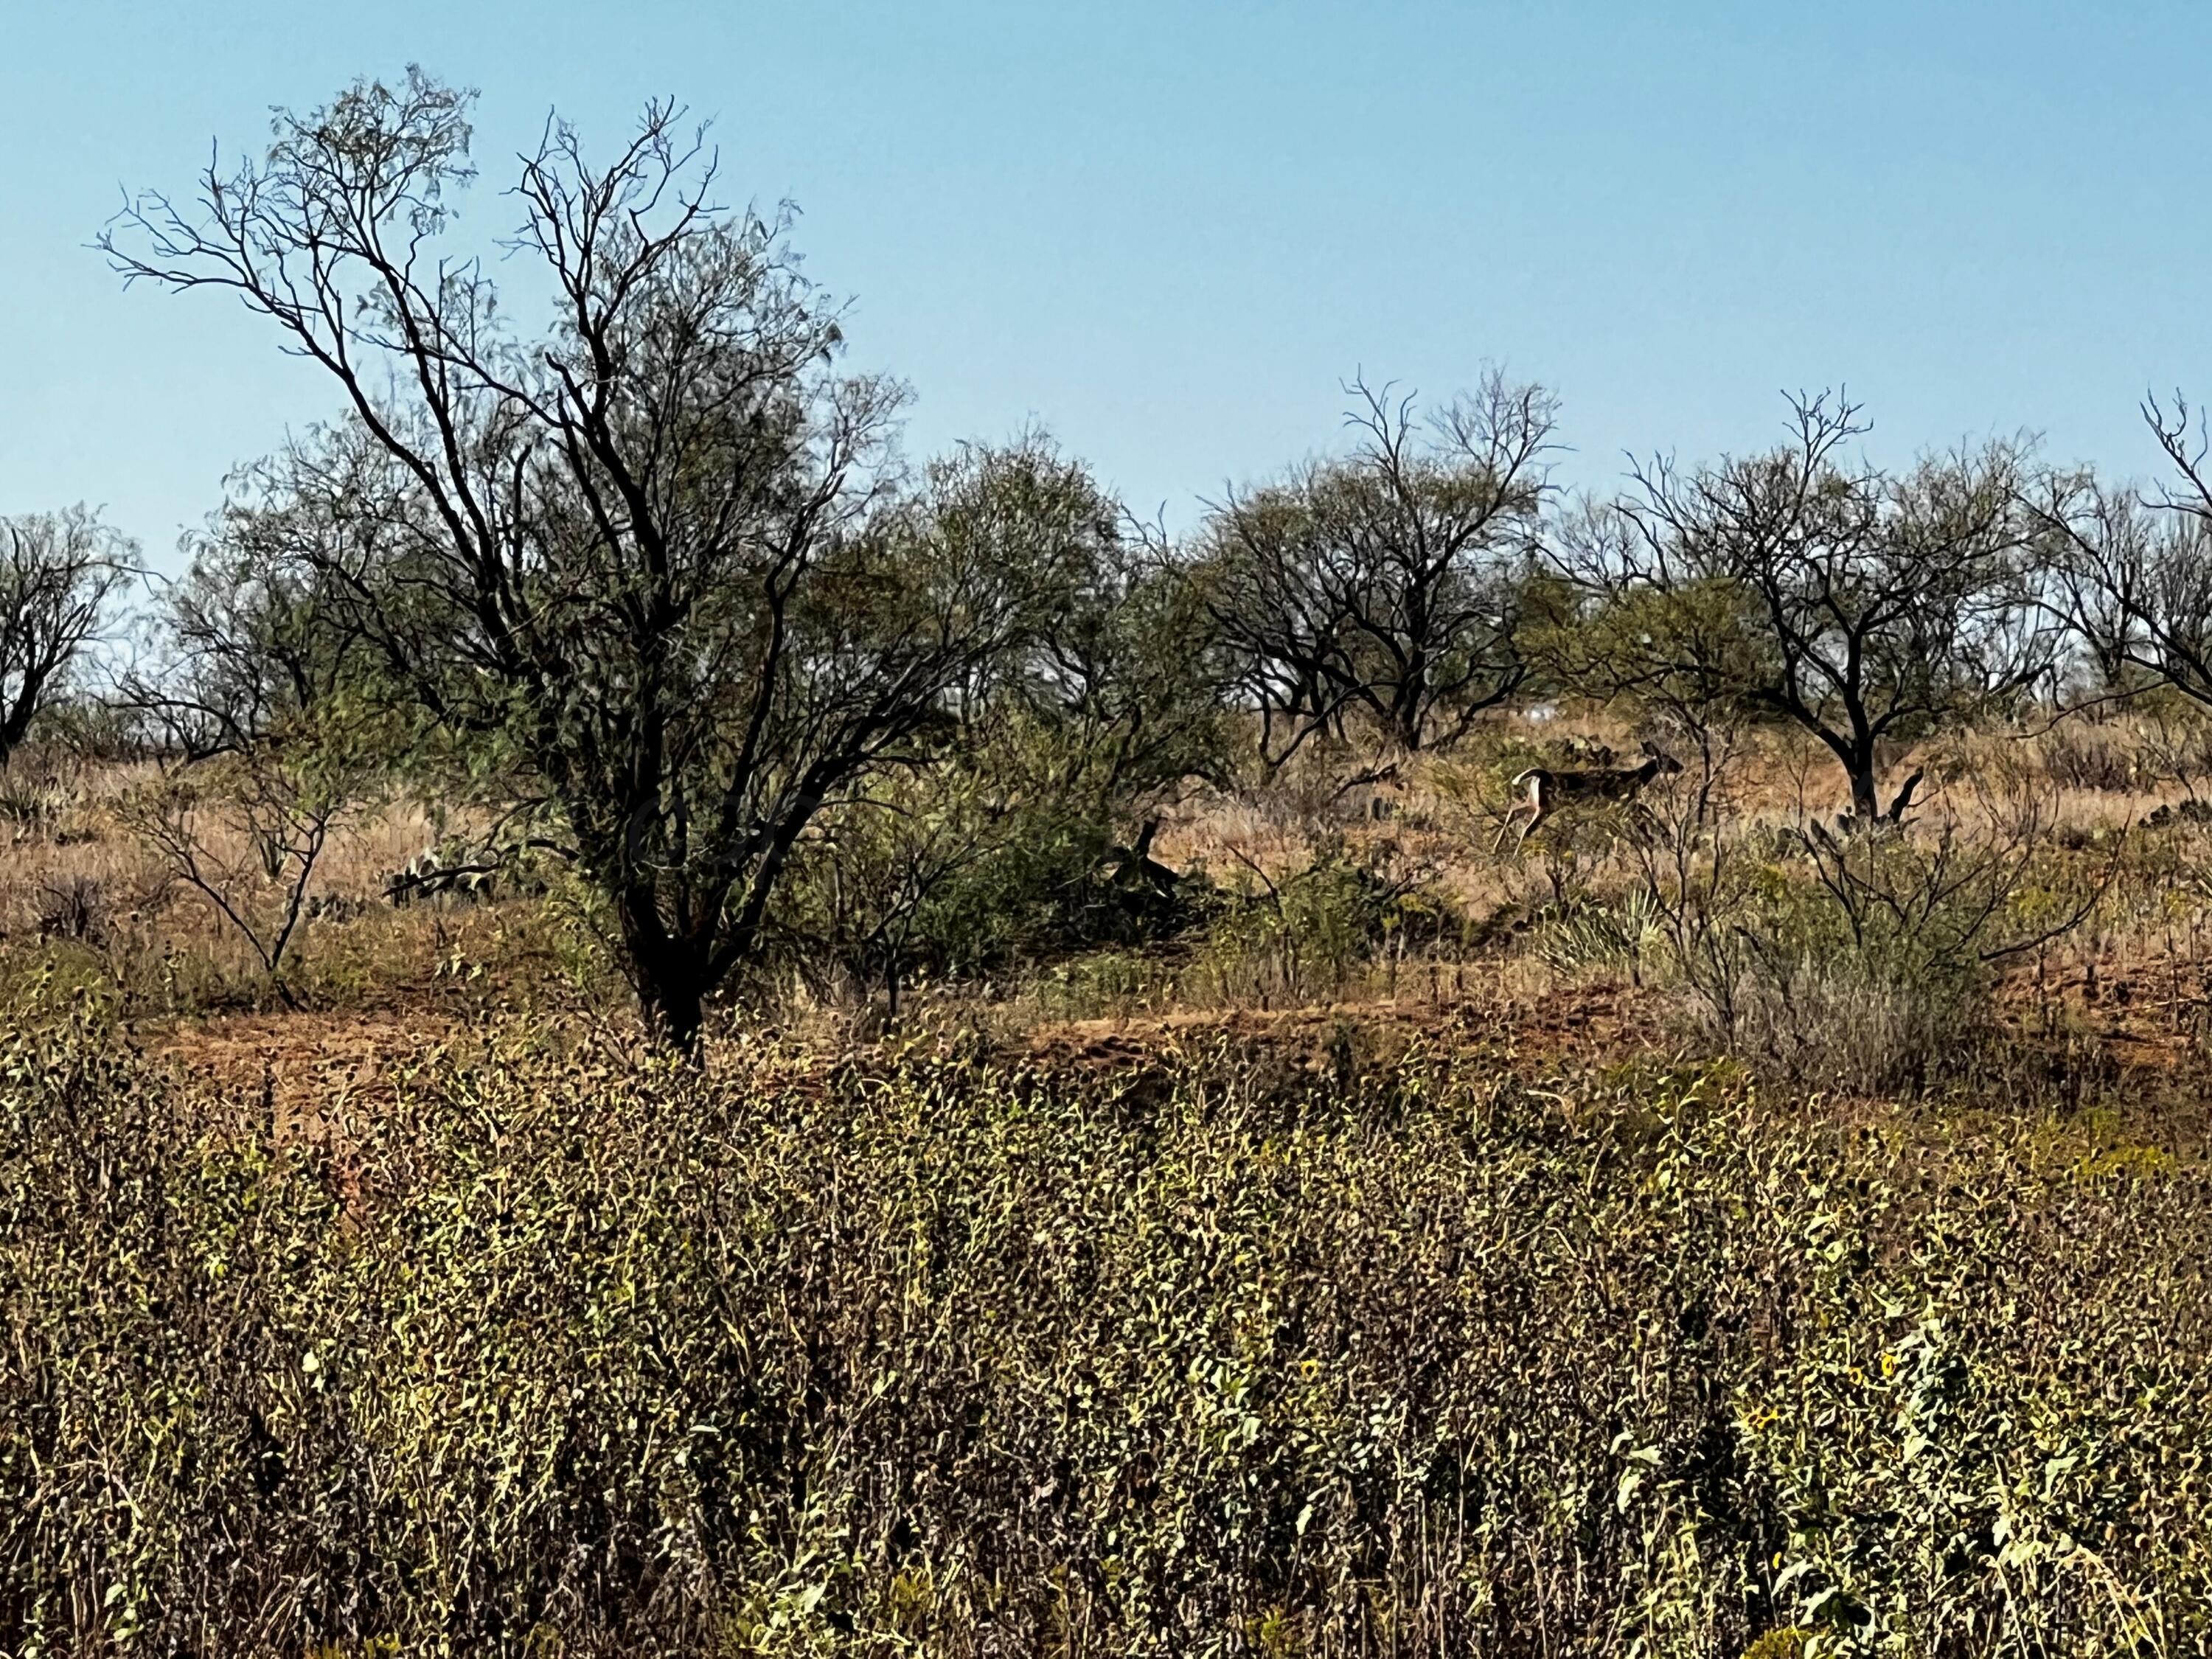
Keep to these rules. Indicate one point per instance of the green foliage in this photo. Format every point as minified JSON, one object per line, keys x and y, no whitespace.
{"x":1694,"y":646}
{"x":1104,"y":982}
{"x":1000,"y":853}
{"x":1776,"y":973}
{"x":1116,"y":696}
{"x":27,"y":803}
{"x":1580,"y":937}
{"x":1307,"y":933}
{"x":1870,"y":609}
{"x":1394,"y":584}
{"x":1217,"y":1357}
{"x":1001,"y":848}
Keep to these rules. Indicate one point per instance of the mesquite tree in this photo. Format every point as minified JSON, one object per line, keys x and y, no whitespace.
{"x":255,"y":640}
{"x":2132,"y":567}
{"x":57,"y":572}
{"x":1388,"y":582}
{"x":653,"y":544}
{"x":1868,"y":608}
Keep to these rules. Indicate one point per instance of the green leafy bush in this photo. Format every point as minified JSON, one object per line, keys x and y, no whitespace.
{"x":1309,"y":932}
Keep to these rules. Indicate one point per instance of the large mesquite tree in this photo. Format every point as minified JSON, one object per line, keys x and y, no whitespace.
{"x":57,"y":572}
{"x":1390,"y":583}
{"x":653,"y":544}
{"x":1866,"y":607}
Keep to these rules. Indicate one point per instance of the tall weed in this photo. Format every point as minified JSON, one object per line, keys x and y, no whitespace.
{"x":1210,"y":1356}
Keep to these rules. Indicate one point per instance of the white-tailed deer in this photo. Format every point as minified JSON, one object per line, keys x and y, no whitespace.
{"x":1547,"y":791}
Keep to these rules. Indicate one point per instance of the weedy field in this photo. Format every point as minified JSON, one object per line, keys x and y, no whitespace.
{"x":631,"y":1023}
{"x":1223,"y":1349}
{"x":1684,"y":1232}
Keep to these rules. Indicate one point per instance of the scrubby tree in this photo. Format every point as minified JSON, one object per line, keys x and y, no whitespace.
{"x":269,"y":730}
{"x":1121,"y":677}
{"x":1390,"y":583}
{"x":656,"y":542}
{"x":59,"y":573}
{"x":2133,"y":567}
{"x":255,"y":640}
{"x":1869,"y":609}
{"x":1002,"y":845}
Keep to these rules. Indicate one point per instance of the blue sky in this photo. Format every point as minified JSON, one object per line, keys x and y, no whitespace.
{"x":1168,"y":231}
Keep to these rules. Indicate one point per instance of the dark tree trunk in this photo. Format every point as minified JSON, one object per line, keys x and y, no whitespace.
{"x":1859,"y":766}
{"x":1866,"y":799}
{"x":1406,"y":717}
{"x":674,"y":975}
{"x":1411,"y":702}
{"x":673,"y":1007}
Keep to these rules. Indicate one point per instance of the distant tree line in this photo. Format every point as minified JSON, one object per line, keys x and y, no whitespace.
{"x":654,"y":575}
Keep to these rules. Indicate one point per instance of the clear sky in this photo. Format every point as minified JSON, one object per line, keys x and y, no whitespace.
{"x":1168,"y":229}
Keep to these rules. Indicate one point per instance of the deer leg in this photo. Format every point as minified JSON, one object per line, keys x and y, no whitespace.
{"x":1534,"y":807}
{"x":1543,"y":801}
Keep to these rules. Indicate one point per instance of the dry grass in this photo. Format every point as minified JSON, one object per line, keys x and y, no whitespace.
{"x":82,"y":901}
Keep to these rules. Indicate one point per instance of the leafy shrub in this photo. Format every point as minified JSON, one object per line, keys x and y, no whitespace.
{"x":1104,"y":982}
{"x":1211,"y":1357}
{"x":1309,"y":932}
{"x":1862,"y":960}
{"x":999,"y":856}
